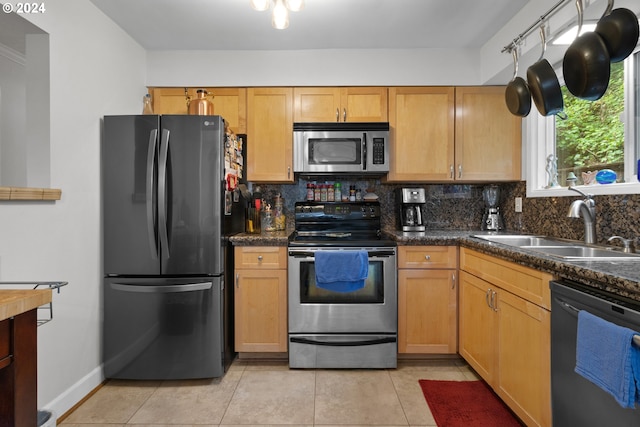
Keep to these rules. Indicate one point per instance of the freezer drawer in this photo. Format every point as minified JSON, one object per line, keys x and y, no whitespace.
{"x":163,"y":328}
{"x":343,"y":351}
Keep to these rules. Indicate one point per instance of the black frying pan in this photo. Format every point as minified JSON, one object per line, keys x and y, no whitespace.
{"x":517,"y":95}
{"x":619,"y":30}
{"x":544,"y":85}
{"x":586,"y":65}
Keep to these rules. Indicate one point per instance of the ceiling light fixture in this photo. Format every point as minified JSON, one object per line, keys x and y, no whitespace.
{"x":568,"y":36}
{"x":281,"y":8}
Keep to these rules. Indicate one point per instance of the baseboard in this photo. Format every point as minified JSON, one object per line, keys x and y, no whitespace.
{"x":77,"y":393}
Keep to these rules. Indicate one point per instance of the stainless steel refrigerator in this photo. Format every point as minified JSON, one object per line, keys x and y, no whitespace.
{"x":167,"y":215}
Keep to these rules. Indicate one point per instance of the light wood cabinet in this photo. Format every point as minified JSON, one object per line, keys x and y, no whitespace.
{"x":230,"y":103}
{"x":270,"y":134}
{"x":422,"y":133}
{"x":453,"y":134}
{"x":335,"y":104}
{"x":488,"y":136}
{"x":427,"y":299}
{"x":260,"y":302}
{"x":504,"y":335}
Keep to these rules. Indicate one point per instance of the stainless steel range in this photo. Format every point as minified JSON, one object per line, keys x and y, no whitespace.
{"x":335,"y":328}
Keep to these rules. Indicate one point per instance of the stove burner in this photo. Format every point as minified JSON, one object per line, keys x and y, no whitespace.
{"x":338,"y":224}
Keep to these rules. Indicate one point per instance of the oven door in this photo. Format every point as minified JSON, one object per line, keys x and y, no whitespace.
{"x":372,"y":309}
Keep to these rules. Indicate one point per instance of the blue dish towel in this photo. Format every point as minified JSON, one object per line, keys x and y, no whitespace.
{"x":606,"y":356}
{"x":341,"y":271}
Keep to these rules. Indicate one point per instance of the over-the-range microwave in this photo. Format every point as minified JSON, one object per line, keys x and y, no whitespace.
{"x":334,"y":148}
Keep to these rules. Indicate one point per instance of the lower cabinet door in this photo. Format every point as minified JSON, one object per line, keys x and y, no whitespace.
{"x":478,"y":326}
{"x":524,"y":359}
{"x":261,"y":310}
{"x":427,"y":311}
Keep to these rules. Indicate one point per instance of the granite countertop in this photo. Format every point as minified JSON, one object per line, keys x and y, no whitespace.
{"x":616,"y":276}
{"x":14,"y":302}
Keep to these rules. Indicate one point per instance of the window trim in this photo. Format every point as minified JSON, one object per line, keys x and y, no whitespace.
{"x":539,"y":133}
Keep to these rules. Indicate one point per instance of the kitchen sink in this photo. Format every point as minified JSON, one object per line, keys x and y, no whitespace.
{"x":561,"y":248}
{"x":583,"y":252}
{"x":523,"y":240}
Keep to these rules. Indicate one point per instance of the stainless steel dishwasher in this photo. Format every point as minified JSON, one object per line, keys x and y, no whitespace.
{"x":575,"y":400}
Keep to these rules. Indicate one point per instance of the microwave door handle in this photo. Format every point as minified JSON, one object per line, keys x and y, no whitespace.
{"x":364,"y":151}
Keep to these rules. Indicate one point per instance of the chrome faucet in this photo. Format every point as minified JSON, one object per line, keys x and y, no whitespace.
{"x":586,"y":208}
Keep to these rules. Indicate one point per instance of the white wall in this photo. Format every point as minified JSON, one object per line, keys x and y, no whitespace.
{"x":314,"y":68}
{"x":96,"y":69}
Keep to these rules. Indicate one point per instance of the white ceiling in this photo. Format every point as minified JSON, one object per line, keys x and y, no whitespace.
{"x":323,"y":24}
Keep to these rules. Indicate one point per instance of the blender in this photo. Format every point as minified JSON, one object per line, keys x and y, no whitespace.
{"x":492,"y":220}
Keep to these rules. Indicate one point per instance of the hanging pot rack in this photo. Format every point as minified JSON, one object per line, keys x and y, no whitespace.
{"x":516,"y":41}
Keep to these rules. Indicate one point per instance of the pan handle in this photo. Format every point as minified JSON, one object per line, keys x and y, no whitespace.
{"x":543,"y":41}
{"x":608,"y":10}
{"x":514,"y":52}
{"x":580,"y":16}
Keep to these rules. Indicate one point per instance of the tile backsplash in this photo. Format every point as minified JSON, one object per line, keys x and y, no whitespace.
{"x":460,"y":207}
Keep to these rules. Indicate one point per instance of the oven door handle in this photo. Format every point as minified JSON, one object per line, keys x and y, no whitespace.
{"x":344,"y":343}
{"x":372,"y":254}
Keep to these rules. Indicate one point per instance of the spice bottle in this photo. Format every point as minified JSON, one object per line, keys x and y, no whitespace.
{"x":337,"y":192}
{"x":352,"y":193}
{"x":310,"y":195}
{"x":323,"y":192}
{"x":316,"y":193}
{"x":331,"y":193}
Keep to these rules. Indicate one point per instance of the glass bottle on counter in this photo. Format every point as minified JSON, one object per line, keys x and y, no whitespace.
{"x":278,"y":213}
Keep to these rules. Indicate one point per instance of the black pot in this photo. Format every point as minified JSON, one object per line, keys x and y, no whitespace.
{"x":586,"y":67}
{"x":619,"y":31}
{"x":517,"y":95}
{"x":545,"y":88}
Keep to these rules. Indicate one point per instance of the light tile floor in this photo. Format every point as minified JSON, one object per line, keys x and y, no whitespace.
{"x":270,"y":394}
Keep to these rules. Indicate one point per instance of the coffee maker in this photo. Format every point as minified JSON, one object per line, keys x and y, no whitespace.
{"x":410,"y":203}
{"x":492,"y":220}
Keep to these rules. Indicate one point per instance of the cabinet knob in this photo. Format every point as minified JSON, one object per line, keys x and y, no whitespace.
{"x":337,"y":114}
{"x":451,"y":171}
{"x":427,"y":257}
{"x":237,"y":280}
{"x":259,"y":258}
{"x":344,"y":115}
{"x":453,"y":280}
{"x":288,"y":172}
{"x":460,"y":170}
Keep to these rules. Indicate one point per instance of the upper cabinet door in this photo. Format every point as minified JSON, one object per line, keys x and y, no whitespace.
{"x":270,"y":134}
{"x":364,"y":104}
{"x":316,"y":104}
{"x":332,"y":104}
{"x":422,"y":133}
{"x":230,"y":103}
{"x":488,"y":136}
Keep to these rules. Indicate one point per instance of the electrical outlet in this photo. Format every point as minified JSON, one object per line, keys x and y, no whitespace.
{"x":518,"y":204}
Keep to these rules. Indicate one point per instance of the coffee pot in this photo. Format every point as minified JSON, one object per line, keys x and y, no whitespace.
{"x":410,"y":203}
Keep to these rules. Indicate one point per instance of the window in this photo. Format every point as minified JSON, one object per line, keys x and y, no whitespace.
{"x":603,"y":134}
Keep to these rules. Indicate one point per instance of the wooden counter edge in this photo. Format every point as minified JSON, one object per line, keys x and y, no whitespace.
{"x":30,"y":193}
{"x":14,"y":302}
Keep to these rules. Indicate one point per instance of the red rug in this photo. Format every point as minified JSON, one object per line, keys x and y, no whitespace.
{"x":466,"y":404}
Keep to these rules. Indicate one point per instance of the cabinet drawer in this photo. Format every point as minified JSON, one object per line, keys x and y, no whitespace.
{"x":267,"y":257}
{"x":525,"y":282}
{"x":427,"y":257}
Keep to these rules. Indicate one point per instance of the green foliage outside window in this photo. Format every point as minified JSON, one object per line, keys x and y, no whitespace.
{"x":592,"y":137}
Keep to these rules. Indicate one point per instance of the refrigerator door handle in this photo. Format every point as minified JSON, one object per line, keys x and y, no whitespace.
{"x":162,"y":191}
{"x":163,"y":289}
{"x":153,"y":244}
